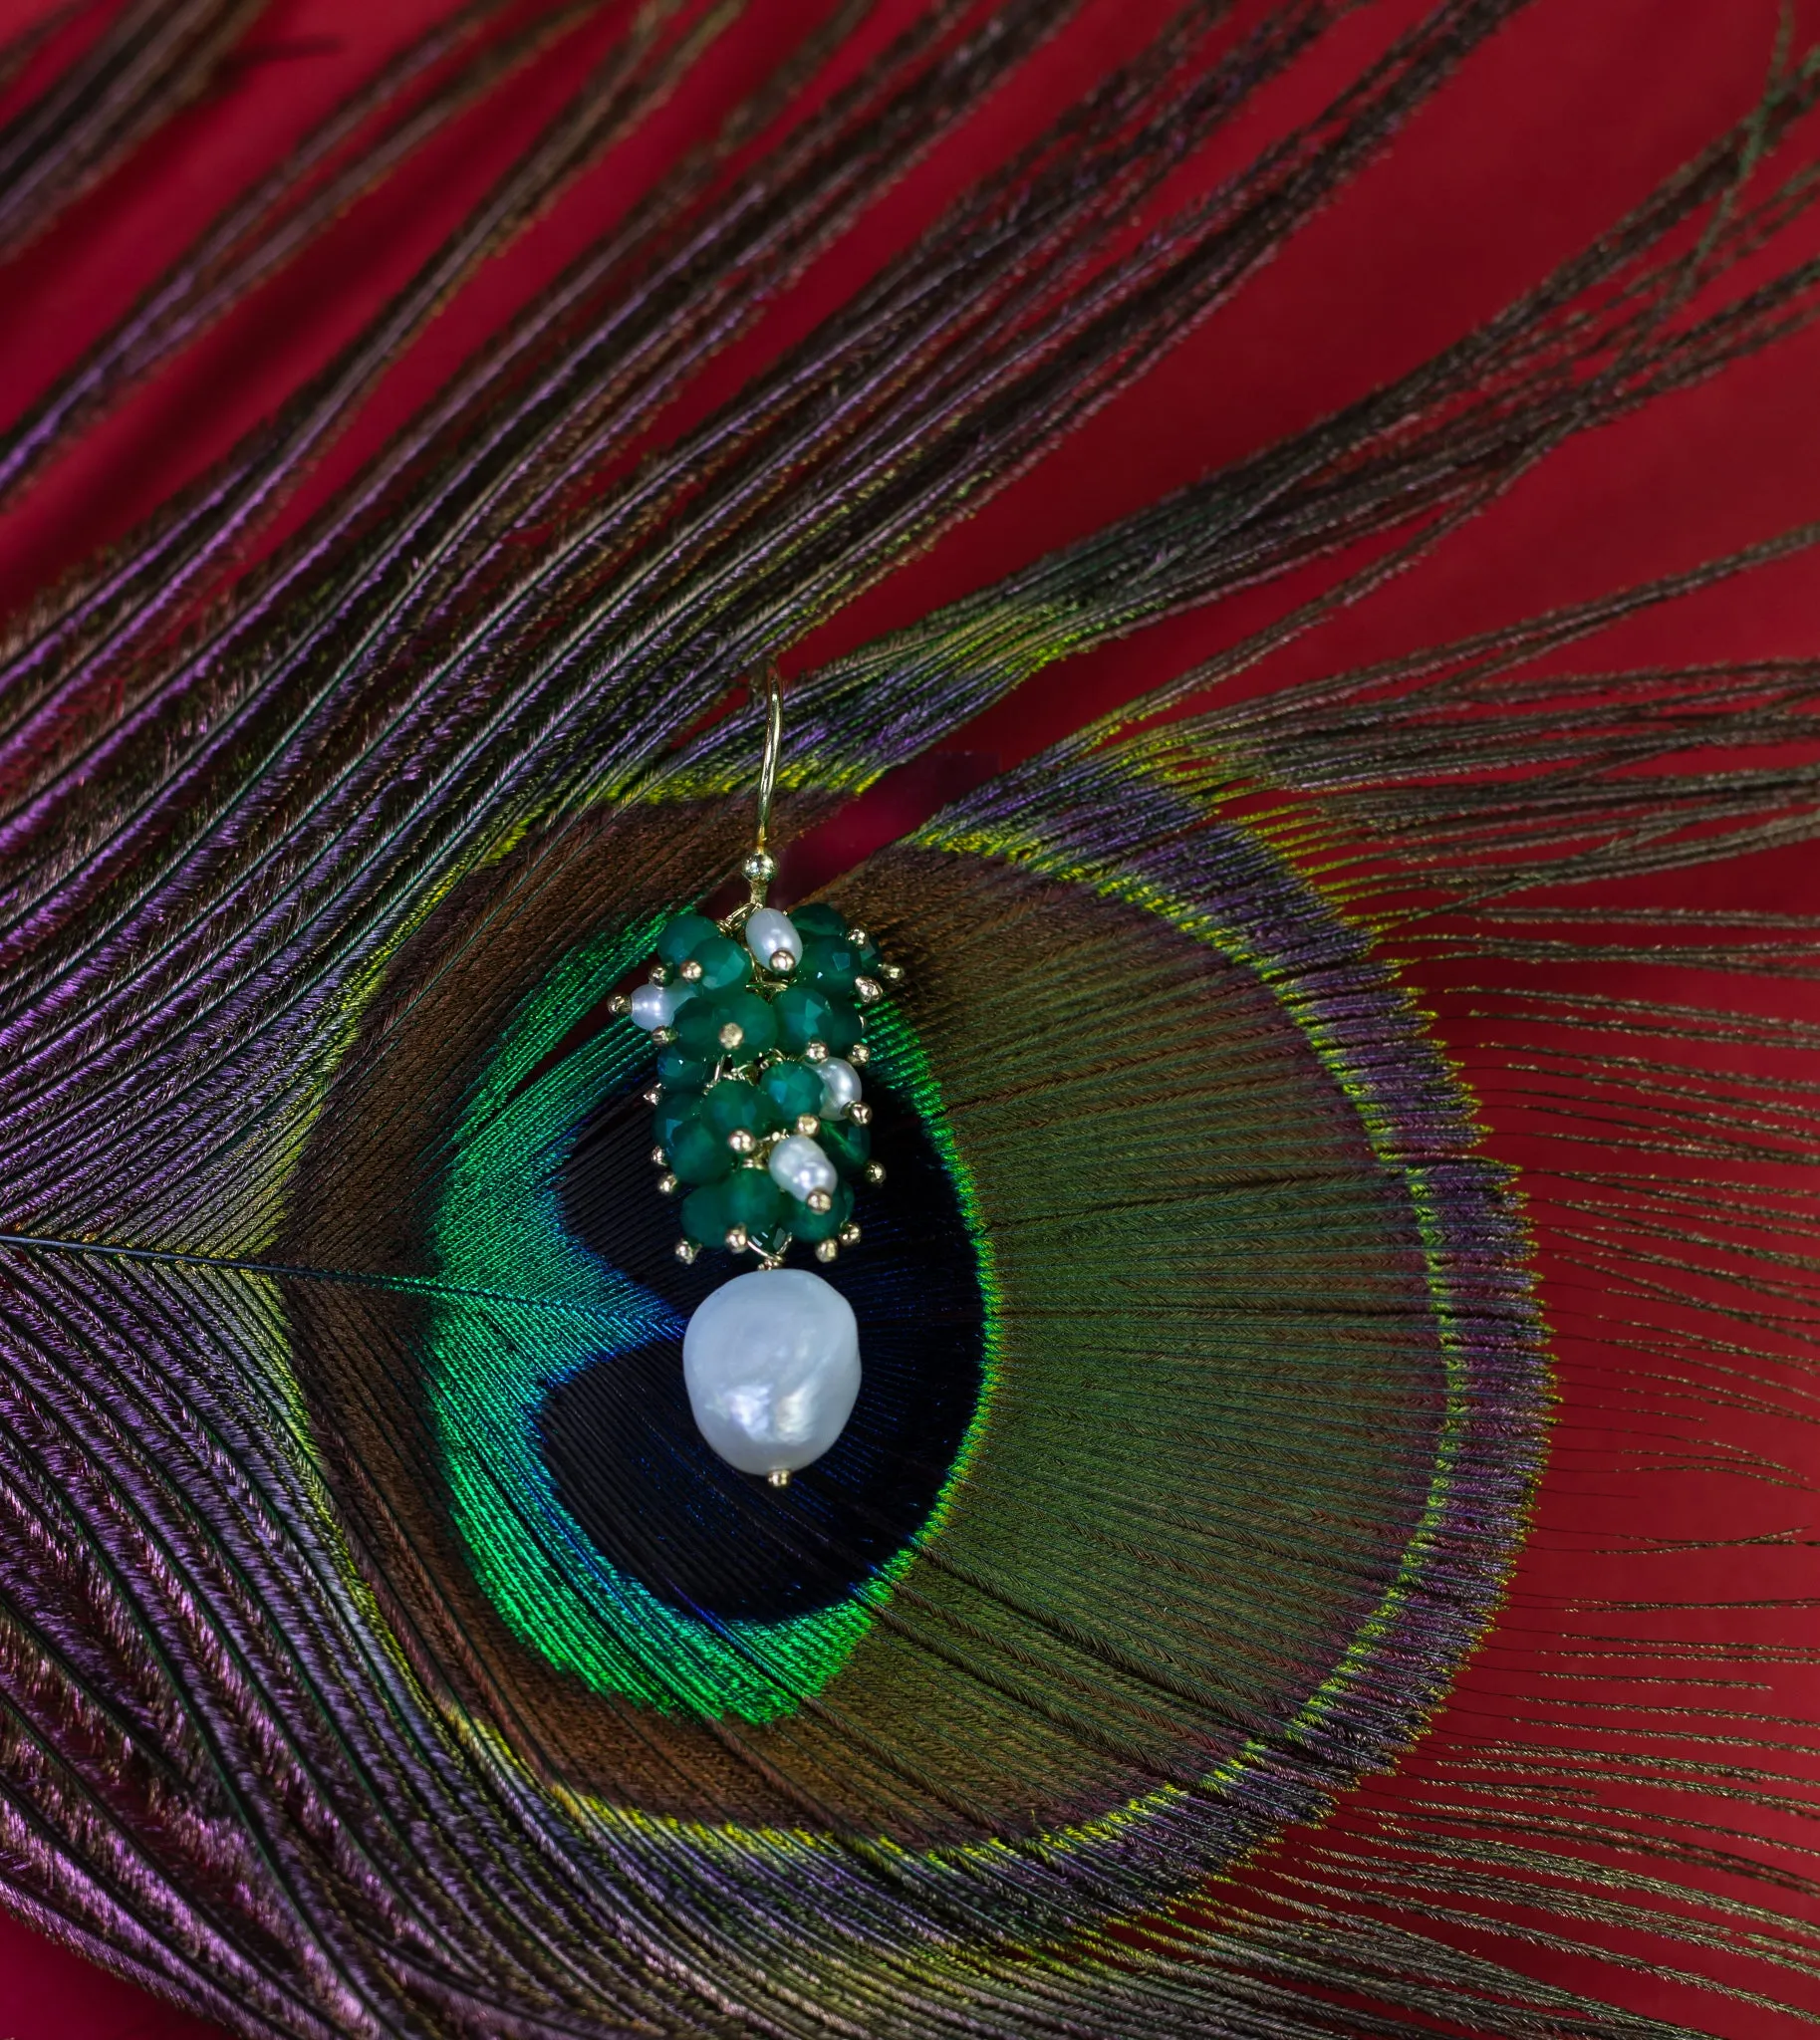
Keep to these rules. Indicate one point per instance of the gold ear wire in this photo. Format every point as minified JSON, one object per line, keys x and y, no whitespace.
{"x":774,"y":741}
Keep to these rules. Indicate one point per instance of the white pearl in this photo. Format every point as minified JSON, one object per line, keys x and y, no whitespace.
{"x":771,"y":1362}
{"x":799,"y":1166}
{"x":840,"y":1087}
{"x":656,"y":1005}
{"x":768,"y":931}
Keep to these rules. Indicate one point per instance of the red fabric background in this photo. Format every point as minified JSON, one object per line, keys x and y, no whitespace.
{"x":1565,"y":119}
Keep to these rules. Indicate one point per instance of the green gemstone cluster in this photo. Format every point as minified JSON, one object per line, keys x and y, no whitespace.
{"x":760,"y":1122}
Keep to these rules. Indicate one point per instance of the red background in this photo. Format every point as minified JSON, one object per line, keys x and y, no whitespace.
{"x":1568,"y":116}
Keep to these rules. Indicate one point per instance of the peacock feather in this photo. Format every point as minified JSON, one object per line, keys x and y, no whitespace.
{"x":1346,"y":1151}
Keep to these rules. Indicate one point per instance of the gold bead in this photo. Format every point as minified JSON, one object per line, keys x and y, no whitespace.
{"x":691,"y":974}
{"x":869,"y":989}
{"x":816,"y":1052}
{"x":731,"y":1035}
{"x":667,"y":1184}
{"x":660,"y":1157}
{"x":687,"y":1251}
{"x":738,"y":1239}
{"x":655,"y":1095}
{"x":859,"y":1113}
{"x":782,"y":962}
{"x":875,"y":1172}
{"x":850,"y":1234}
{"x":808,"y":1125}
{"x":859,"y":1055}
{"x":826,"y":1250}
{"x":619,"y":1005}
{"x":856,"y":938}
{"x":663,"y":1036}
{"x":779,"y":1476}
{"x":820,"y":1200}
{"x":761,"y":866}
{"x":659,"y":974}
{"x":741,"y":1142}
{"x":892,"y":974}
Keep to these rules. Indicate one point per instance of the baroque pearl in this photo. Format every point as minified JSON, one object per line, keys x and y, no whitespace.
{"x":771,"y":1362}
{"x":767,"y":931}
{"x":656,"y":1005}
{"x":799,"y":1166}
{"x":839,"y":1087}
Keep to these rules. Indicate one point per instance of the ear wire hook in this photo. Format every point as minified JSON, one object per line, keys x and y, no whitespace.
{"x":774,"y":743}
{"x":761,"y":868}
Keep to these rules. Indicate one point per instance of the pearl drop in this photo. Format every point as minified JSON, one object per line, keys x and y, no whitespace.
{"x":767,"y":931}
{"x":656,"y":1005}
{"x":839,"y":1087}
{"x":799,"y":1166}
{"x":771,"y":1363}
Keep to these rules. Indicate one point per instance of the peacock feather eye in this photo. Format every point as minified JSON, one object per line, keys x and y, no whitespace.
{"x":1068,"y":1380}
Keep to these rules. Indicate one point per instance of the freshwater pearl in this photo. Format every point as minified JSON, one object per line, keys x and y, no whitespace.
{"x":839,"y":1087}
{"x":656,"y":1005}
{"x":768,"y":931}
{"x":799,"y":1166}
{"x":771,"y":1362}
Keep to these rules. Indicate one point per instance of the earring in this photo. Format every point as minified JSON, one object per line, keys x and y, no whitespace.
{"x":763,"y":1133}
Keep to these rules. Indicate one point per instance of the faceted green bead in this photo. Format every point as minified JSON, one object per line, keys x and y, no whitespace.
{"x":699,"y":1024}
{"x":726,"y":966}
{"x":756,"y":1022}
{"x":815,"y":917}
{"x":831,"y":965}
{"x":847,"y":1146}
{"x":755,"y":1201}
{"x":794,"y":1088}
{"x":734,"y":1106}
{"x":814,"y":1225}
{"x":679,"y":1071}
{"x":697,"y":1153}
{"x":843,"y":1027}
{"x":669,"y":1115}
{"x":698,"y":1028}
{"x":705,"y":1216}
{"x":802,"y":1013}
{"x":677,"y":941}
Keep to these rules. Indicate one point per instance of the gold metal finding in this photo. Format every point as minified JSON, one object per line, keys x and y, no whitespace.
{"x":774,"y":743}
{"x":780,"y":1477}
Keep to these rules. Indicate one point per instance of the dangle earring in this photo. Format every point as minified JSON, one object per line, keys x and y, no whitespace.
{"x":763,"y":1131}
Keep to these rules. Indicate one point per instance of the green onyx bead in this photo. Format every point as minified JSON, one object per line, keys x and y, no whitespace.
{"x":756,"y":1022}
{"x":830,"y":964}
{"x":794,"y":1088}
{"x":705,"y":1216}
{"x":698,"y":1028}
{"x":733,"y":1105}
{"x":726,"y":966}
{"x":847,"y":1146}
{"x":802,"y":1013}
{"x":755,"y":1201}
{"x":816,"y":918}
{"x":681,"y":1071}
{"x":669,"y":1115}
{"x":703,"y":1022}
{"x":814,"y":1225}
{"x":697,"y":1153}
{"x":677,"y":941}
{"x":843,"y":1027}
